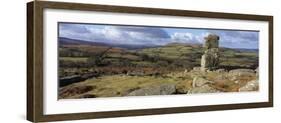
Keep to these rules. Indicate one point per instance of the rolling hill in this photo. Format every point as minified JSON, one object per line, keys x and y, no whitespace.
{"x":92,"y":69}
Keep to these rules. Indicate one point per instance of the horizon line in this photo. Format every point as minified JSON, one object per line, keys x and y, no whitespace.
{"x":153,"y":44}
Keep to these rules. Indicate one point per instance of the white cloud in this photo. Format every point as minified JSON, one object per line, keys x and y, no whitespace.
{"x":237,"y":39}
{"x":155,"y":36}
{"x":115,"y":34}
{"x":184,"y":37}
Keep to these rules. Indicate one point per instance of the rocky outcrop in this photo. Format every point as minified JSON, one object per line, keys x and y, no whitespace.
{"x":221,"y":80}
{"x":163,"y":89}
{"x":211,"y":41}
{"x":196,"y":69}
{"x":199,"y":81}
{"x":241,"y":72}
{"x":203,"y":89}
{"x":210,"y":58}
{"x":75,"y":78}
{"x":257,"y":71}
{"x":250,"y":86}
{"x":201,"y":85}
{"x":183,"y":87}
{"x":220,"y":70}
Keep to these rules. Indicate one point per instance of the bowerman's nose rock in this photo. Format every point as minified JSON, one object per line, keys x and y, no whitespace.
{"x":210,"y":58}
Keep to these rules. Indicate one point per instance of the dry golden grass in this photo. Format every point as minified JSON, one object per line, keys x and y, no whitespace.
{"x":122,"y":85}
{"x":183,"y":86}
{"x":115,"y":85}
{"x":227,"y":83}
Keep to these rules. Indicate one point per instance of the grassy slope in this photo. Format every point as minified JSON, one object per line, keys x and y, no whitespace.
{"x":159,"y":59}
{"x":189,"y":55}
{"x":121,"y":85}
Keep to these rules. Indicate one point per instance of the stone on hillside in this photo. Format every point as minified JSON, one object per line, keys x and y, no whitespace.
{"x":210,"y":58}
{"x":199,"y":81}
{"x":242,"y":72}
{"x":70,"y":80}
{"x":211,"y":41}
{"x":221,"y":77}
{"x":257,"y":71}
{"x":196,"y":68}
{"x":203,"y":89}
{"x":183,"y":87}
{"x":64,"y":81}
{"x":250,"y":86}
{"x":220,"y":70}
{"x":163,"y":89}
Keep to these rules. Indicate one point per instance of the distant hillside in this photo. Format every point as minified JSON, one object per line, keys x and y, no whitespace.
{"x":68,"y":41}
{"x":184,"y":44}
{"x":175,"y":55}
{"x":247,"y":50}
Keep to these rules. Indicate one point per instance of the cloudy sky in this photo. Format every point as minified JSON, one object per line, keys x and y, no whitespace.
{"x":155,"y":35}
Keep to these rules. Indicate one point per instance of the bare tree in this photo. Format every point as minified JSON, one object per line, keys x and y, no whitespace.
{"x":98,"y":59}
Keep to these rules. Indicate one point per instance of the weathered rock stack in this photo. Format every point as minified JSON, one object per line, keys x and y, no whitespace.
{"x":210,"y":58}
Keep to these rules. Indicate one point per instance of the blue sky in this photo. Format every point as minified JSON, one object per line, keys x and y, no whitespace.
{"x":141,"y":35}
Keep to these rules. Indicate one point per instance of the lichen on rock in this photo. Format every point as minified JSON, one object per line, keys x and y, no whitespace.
{"x":210,"y":58}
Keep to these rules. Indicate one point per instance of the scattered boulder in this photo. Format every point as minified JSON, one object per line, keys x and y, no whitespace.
{"x":221,"y":77}
{"x":69,"y":80}
{"x":203,"y":89}
{"x":220,"y":70}
{"x":241,"y":72}
{"x":196,"y":68}
{"x":250,"y":86}
{"x":64,"y":81}
{"x":185,"y":71}
{"x":163,"y":89}
{"x":183,"y":87}
{"x":233,"y":78}
{"x":199,"y":81}
{"x":257,"y":71}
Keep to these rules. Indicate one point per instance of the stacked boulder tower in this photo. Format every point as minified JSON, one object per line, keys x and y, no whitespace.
{"x":210,"y":58}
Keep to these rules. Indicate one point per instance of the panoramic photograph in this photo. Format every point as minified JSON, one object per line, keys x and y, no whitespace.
{"x":105,"y":60}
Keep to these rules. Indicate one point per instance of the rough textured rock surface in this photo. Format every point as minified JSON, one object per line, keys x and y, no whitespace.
{"x":257,"y":71}
{"x":240,"y":72}
{"x":250,"y":86}
{"x":220,"y":70}
{"x":203,"y":89}
{"x":199,"y":81}
{"x":163,"y":89}
{"x":210,"y":58}
{"x":197,"y":68}
{"x":211,"y":41}
{"x":75,"y":78}
{"x":183,"y":87}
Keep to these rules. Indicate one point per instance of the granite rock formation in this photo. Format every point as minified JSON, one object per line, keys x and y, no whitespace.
{"x":210,"y":58}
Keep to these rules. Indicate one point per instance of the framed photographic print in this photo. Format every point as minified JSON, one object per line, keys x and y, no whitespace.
{"x":96,"y":61}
